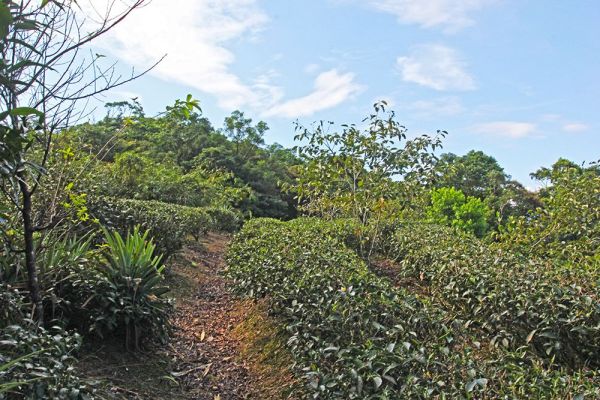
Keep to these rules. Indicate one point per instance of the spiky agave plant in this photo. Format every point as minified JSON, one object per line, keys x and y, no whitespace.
{"x":135,"y":275}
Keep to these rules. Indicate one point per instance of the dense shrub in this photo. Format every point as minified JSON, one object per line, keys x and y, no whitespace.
{"x":63,"y":261}
{"x":114,"y":289}
{"x":11,"y":306}
{"x":39,"y":365}
{"x":567,"y":228}
{"x":224,"y":219}
{"x":451,"y":207}
{"x":354,"y":336}
{"x":517,"y":302}
{"x":168,"y":224}
{"x":121,"y":293}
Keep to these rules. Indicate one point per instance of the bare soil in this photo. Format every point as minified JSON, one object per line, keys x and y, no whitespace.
{"x":222,"y":347}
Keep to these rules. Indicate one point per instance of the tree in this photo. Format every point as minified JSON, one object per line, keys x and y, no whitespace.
{"x":479,"y":175}
{"x":362,"y":174}
{"x":475,"y":174}
{"x":451,"y":207}
{"x":240,"y":130}
{"x":567,"y":225}
{"x":44,"y":76}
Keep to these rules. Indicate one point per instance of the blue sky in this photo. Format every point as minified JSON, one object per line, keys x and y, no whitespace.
{"x":517,"y":79}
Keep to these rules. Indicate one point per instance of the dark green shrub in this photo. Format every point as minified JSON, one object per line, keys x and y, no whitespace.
{"x":11,"y":306}
{"x":354,"y":336}
{"x":39,"y":365}
{"x":63,"y":261}
{"x":169,"y":224}
{"x":224,"y":219}
{"x":516,"y":302}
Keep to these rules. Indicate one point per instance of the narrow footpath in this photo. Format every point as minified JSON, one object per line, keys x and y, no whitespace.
{"x":204,"y":348}
{"x":216,"y":350}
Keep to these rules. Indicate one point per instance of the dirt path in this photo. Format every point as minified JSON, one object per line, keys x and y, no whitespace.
{"x":216,"y":348}
{"x":208,"y":366}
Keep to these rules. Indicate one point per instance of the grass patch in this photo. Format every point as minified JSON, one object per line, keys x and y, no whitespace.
{"x":263,"y":348}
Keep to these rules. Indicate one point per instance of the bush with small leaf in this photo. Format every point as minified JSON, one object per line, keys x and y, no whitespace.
{"x":168,"y":224}
{"x":522,"y":303}
{"x":39,"y":364}
{"x":355,"y":336}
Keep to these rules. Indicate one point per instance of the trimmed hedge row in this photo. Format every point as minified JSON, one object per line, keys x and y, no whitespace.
{"x":169,"y":224}
{"x":516,"y":302}
{"x":354,"y":336}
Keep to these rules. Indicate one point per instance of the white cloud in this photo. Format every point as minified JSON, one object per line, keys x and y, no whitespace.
{"x":194,"y":35}
{"x":551,"y":117}
{"x":575,"y":127}
{"x":451,"y":15}
{"x":443,"y":106}
{"x":508,"y":129}
{"x":437,"y":67}
{"x":331,"y":88}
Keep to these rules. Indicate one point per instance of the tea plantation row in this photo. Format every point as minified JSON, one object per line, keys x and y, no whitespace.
{"x":356,"y":336}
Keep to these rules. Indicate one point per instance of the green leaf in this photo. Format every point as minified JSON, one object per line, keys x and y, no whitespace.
{"x":6,"y":19}
{"x":377,"y":381}
{"x":25,"y":111}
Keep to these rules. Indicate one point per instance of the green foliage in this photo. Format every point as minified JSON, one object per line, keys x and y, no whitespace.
{"x":475,"y":174}
{"x":39,"y":365}
{"x":444,"y":203}
{"x":471,"y":217}
{"x":365,"y":174}
{"x":168,"y":224}
{"x":354,"y":336}
{"x":224,"y":219}
{"x":348,"y":174}
{"x":133,"y":300}
{"x":11,"y":306}
{"x":176,"y":159}
{"x":61,"y":262}
{"x":113,"y":290}
{"x":478,"y":175}
{"x":521,"y":304}
{"x":567,"y":228}
{"x":451,"y":207}
{"x":242,"y":133}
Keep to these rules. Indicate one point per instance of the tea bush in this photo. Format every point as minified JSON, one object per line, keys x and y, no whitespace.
{"x":168,"y":224}
{"x":39,"y":365}
{"x":354,"y":336}
{"x":516,"y":302}
{"x":224,"y":219}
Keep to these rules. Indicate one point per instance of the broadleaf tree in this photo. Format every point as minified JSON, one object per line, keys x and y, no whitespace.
{"x":363,"y":172}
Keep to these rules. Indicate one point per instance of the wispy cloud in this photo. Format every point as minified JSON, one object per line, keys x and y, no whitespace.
{"x":437,"y":67}
{"x":575,"y":127}
{"x":194,"y":34}
{"x":507,"y":129}
{"x":450,"y":15}
{"x":331,"y":88}
{"x":443,"y":106}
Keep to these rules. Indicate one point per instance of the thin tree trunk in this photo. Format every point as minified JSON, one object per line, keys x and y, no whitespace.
{"x":30,"y":262}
